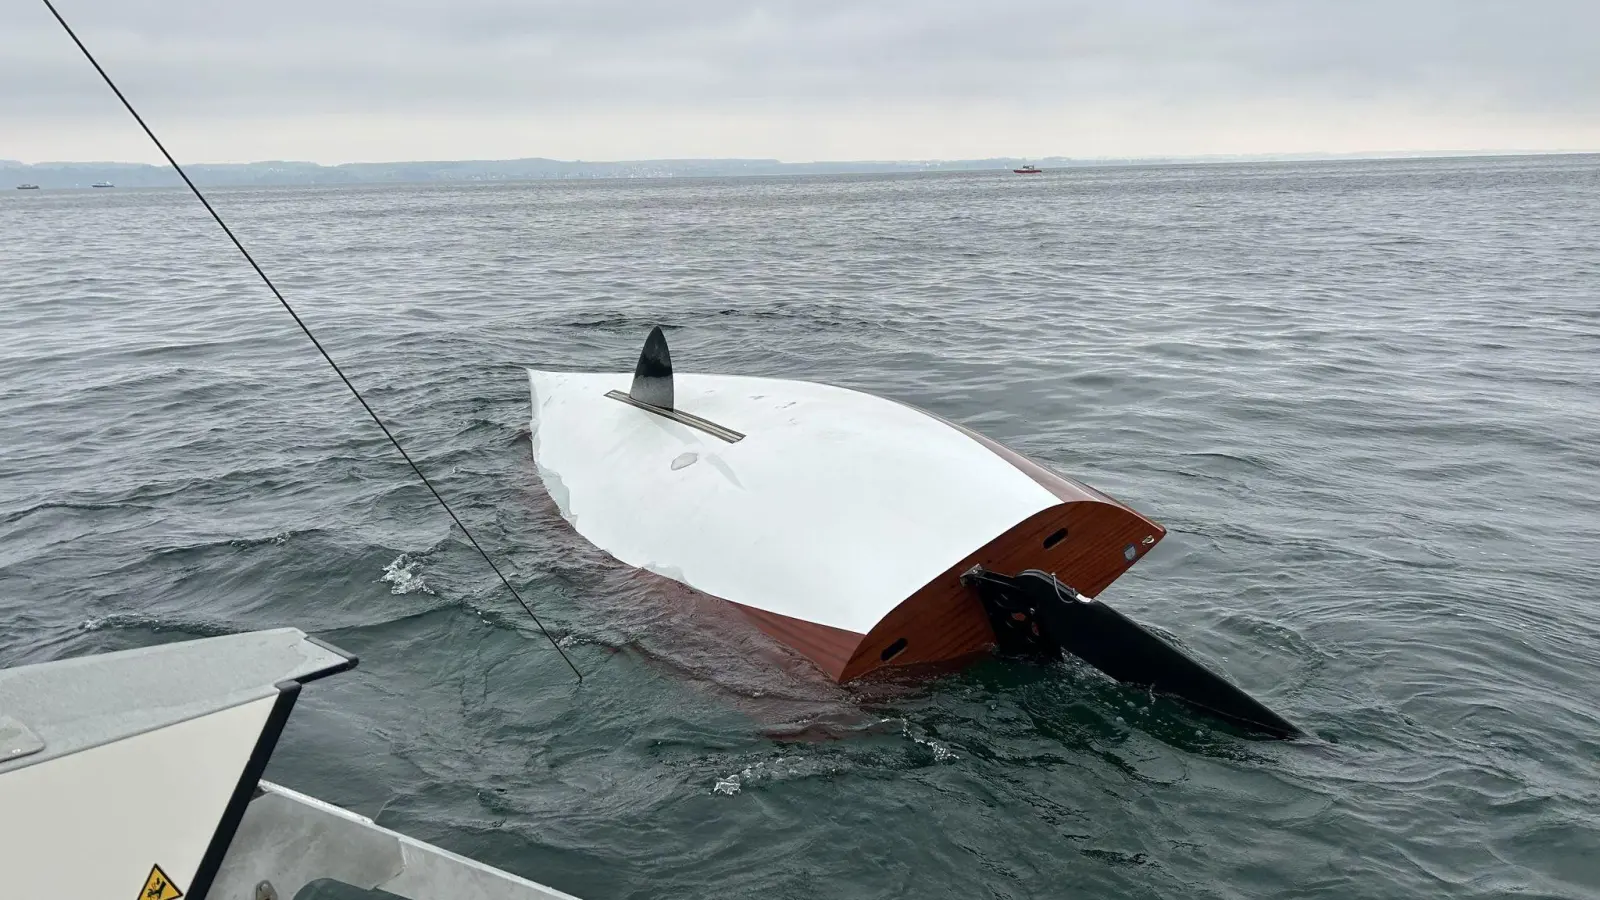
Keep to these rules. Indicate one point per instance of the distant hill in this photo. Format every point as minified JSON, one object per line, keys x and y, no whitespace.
{"x":67,"y":175}
{"x":83,"y":174}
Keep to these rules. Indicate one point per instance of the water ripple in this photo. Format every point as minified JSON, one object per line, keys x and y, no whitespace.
{"x":1363,"y":396}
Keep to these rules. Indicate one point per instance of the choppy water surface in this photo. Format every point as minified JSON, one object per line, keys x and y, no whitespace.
{"x":1364,"y":397}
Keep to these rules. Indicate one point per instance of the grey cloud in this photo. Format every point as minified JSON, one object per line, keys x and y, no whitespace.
{"x":191,"y":59}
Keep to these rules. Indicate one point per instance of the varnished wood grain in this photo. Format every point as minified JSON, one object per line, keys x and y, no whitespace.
{"x":945,"y":619}
{"x":830,"y":648}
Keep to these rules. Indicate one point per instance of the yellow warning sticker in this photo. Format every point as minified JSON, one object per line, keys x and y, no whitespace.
{"x":159,"y":887}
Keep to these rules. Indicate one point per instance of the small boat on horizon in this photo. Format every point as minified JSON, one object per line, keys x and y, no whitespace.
{"x":102,"y":184}
{"x":27,"y":187}
{"x":1029,"y":169}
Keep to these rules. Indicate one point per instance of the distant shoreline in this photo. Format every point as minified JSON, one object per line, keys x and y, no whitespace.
{"x":70,"y":175}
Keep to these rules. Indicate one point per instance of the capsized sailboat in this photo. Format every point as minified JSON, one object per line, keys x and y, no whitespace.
{"x":862,"y":532}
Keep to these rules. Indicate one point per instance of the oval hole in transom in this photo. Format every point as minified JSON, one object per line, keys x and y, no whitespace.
{"x":1055,"y":538}
{"x":893,"y":650}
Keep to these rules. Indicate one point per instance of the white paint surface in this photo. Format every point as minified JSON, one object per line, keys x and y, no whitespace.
{"x":835,"y":507}
{"x":92,"y":823}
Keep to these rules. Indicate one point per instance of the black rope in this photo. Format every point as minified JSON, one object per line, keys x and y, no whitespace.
{"x":303,"y":327}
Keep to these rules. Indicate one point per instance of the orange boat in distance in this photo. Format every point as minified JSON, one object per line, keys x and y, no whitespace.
{"x":1029,"y":169}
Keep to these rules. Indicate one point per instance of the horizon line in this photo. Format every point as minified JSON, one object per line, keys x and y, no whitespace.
{"x":1179,"y":157}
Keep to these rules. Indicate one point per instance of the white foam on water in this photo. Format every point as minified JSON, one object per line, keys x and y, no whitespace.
{"x":405,"y":576}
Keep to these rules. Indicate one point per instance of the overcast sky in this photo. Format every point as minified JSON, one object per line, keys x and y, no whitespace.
{"x":348,"y":80}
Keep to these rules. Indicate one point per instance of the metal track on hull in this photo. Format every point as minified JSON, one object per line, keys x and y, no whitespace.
{"x":682,"y":418}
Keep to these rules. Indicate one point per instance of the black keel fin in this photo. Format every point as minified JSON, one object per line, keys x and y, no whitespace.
{"x":652,"y":390}
{"x":652,"y":377}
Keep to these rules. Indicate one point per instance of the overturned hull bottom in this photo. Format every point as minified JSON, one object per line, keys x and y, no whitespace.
{"x":847,"y":526}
